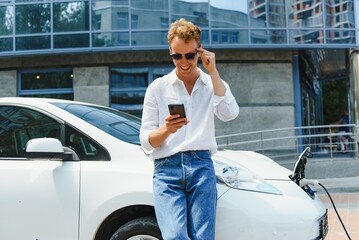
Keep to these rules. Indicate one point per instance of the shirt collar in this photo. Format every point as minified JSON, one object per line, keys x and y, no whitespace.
{"x":173,"y":77}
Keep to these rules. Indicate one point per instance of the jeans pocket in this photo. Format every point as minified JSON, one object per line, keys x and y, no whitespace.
{"x":160,"y":162}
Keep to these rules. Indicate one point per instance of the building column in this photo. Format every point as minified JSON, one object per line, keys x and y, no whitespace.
{"x":354,"y":95}
{"x":8,"y":83}
{"x":354,"y":82}
{"x":297,"y":99}
{"x":91,"y":84}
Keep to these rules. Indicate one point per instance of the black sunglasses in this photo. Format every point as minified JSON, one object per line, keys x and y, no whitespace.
{"x":188,"y":56}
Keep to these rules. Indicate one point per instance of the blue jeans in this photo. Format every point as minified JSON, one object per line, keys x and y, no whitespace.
{"x":185,"y":195}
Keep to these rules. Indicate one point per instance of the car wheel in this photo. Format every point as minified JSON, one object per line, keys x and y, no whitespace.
{"x":144,"y":228}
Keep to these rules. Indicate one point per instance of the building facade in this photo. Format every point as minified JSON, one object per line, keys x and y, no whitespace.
{"x":277,"y":55}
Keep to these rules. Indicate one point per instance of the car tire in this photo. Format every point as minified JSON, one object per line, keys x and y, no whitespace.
{"x":141,"y":228}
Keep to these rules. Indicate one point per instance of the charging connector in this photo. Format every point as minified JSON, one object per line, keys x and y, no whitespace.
{"x":304,"y":182}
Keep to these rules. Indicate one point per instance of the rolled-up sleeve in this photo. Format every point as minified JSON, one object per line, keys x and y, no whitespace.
{"x":226,"y":107}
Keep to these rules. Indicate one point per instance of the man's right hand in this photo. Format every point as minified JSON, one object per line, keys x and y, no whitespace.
{"x":174,"y":122}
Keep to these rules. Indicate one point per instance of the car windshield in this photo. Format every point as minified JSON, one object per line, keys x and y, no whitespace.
{"x":118,"y":124}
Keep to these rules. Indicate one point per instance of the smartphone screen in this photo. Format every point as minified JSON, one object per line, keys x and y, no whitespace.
{"x":177,"y":109}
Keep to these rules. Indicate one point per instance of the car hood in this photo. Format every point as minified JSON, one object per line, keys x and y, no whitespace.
{"x":259,"y":164}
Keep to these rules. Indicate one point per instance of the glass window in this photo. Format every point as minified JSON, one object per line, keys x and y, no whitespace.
{"x":118,"y":124}
{"x":150,"y":5}
{"x":6,"y":44}
{"x":164,"y":22}
{"x":149,"y":38}
{"x":97,"y":21}
{"x":110,"y":39}
{"x":149,"y":14}
{"x":306,"y":36}
{"x":134,"y":21}
{"x":124,"y":79}
{"x":19,"y":125}
{"x":24,"y":1}
{"x":6,"y":20}
{"x":122,"y":20}
{"x":71,"y":16}
{"x":229,"y":14}
{"x":224,"y":37}
{"x":85,"y":147}
{"x":341,"y":21}
{"x":205,"y":37}
{"x":196,"y":12}
{"x":159,"y":72}
{"x":215,"y":38}
{"x":46,"y":80}
{"x":267,"y":14}
{"x":33,"y":43}
{"x":110,"y":15}
{"x":340,"y":36}
{"x":144,"y":23}
{"x":278,"y":36}
{"x":340,"y":14}
{"x":260,"y":36}
{"x":33,"y":18}
{"x":307,"y":20}
{"x":50,"y":84}
{"x":276,"y":14}
{"x":128,"y":89}
{"x":72,"y":41}
{"x":258,"y":13}
{"x":229,"y":37}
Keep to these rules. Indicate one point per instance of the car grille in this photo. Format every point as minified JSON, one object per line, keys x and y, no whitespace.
{"x":323,"y":226}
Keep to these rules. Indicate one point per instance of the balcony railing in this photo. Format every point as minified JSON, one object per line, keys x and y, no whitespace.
{"x":287,"y":143}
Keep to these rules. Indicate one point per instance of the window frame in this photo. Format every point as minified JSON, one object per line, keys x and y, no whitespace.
{"x":47,"y":91}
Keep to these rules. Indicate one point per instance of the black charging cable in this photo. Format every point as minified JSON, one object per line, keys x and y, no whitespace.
{"x":336,"y":211}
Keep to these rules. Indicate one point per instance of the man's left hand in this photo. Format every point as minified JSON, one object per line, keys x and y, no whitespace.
{"x":208,"y":59}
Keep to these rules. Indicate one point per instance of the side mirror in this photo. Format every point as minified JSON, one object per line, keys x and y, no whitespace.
{"x":46,"y":149}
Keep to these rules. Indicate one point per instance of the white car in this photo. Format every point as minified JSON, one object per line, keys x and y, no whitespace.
{"x":72,"y":170}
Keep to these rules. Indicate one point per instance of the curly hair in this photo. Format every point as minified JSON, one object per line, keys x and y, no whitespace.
{"x":185,"y":30}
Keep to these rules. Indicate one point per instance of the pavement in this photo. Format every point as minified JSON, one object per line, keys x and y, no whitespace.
{"x":345,"y":195}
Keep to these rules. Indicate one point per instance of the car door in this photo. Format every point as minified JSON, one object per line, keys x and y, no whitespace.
{"x":39,"y":198}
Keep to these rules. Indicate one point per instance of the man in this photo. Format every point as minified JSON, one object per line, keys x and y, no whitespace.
{"x":184,"y":180}
{"x":344,"y":130}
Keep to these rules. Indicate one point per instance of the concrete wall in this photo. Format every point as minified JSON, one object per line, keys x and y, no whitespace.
{"x":8,"y":83}
{"x":91,"y":84}
{"x":264,"y":92}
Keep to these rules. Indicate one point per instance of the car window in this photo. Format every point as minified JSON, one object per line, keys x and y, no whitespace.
{"x":118,"y":124}
{"x":19,"y":125}
{"x":85,"y":147}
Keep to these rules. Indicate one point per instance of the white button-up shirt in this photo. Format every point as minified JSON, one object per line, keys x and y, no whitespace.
{"x":200,"y":107}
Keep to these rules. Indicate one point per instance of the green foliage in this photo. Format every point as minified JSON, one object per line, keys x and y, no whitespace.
{"x":34,"y":18}
{"x":334,"y":100}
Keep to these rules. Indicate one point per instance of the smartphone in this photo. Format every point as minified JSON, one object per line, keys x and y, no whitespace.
{"x":177,"y":109}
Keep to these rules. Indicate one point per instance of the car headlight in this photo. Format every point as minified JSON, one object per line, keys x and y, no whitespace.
{"x":239,"y":177}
